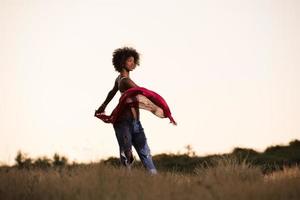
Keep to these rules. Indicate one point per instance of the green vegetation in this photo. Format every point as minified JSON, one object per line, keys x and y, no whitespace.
{"x":242,"y":174}
{"x":22,"y":161}
{"x":273,"y":158}
{"x":227,"y":178}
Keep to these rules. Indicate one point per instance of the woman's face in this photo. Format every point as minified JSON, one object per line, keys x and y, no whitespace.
{"x":130,"y":64}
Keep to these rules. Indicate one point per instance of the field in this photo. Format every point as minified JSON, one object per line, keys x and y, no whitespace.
{"x":226,"y":179}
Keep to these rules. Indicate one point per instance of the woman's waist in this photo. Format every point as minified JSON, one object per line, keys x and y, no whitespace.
{"x":129,"y":114}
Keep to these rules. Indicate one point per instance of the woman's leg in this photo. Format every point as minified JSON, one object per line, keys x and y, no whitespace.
{"x":139,"y":141}
{"x":123,"y":134}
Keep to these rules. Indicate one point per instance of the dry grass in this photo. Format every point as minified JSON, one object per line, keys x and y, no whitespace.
{"x":228,"y":179}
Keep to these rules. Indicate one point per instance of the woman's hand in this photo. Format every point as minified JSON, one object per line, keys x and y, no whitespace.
{"x":100,"y":110}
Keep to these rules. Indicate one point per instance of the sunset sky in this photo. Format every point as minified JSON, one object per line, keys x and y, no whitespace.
{"x":229,"y":70}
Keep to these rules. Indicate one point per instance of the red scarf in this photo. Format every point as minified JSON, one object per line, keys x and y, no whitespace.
{"x":132,"y":92}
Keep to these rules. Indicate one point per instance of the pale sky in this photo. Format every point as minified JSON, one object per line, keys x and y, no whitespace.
{"x":229,"y":71}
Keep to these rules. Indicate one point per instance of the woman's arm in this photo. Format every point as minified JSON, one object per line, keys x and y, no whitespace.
{"x":109,"y":97}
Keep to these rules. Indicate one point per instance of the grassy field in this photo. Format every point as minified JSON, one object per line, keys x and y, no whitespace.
{"x":227,"y":179}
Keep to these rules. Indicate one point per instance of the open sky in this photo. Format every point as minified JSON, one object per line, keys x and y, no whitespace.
{"x":229,"y":71}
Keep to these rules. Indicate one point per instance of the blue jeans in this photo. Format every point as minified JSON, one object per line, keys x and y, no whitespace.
{"x":130,"y":132}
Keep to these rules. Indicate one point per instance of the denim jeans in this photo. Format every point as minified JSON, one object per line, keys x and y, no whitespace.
{"x":130,"y":132}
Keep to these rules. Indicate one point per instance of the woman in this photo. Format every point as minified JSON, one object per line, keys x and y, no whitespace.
{"x":128,"y":128}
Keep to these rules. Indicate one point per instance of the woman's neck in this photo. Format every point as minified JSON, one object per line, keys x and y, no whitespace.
{"x":124,"y":73}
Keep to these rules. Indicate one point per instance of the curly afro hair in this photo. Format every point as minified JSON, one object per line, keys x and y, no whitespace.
{"x":120,"y":56}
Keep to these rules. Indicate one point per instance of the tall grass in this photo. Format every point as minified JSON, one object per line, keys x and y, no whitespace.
{"x":226,"y":178}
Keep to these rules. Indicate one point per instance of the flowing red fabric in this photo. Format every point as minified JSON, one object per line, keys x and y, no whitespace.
{"x":151,"y":95}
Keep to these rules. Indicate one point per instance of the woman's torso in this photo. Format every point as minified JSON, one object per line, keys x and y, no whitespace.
{"x":131,"y":112}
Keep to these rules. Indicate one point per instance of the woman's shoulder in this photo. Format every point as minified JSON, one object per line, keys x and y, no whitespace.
{"x":122,"y":79}
{"x":119,"y":78}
